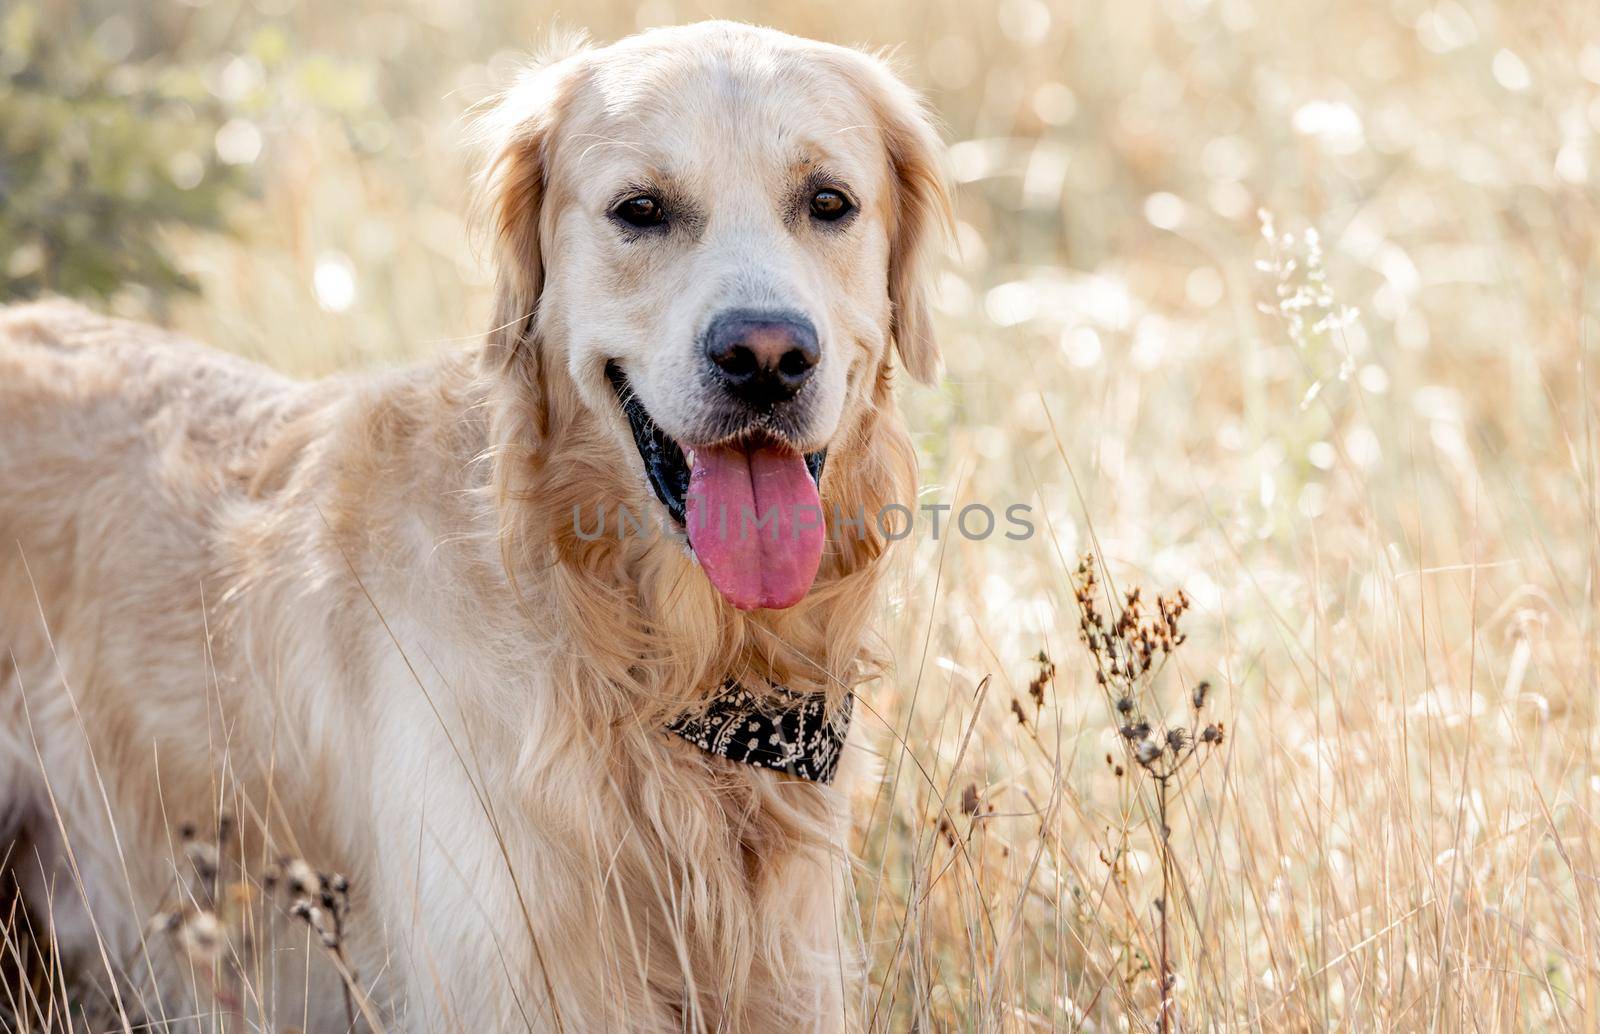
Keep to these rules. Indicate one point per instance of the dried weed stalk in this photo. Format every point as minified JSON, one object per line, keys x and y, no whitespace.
{"x":212,"y":924}
{"x":1130,"y":643}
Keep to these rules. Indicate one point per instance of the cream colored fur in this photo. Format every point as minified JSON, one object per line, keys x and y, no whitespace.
{"x":354,"y":612}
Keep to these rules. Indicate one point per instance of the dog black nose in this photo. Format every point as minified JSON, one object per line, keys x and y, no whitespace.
{"x":762,"y":357}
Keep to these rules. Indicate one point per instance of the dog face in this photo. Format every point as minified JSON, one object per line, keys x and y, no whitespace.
{"x":716,"y":233}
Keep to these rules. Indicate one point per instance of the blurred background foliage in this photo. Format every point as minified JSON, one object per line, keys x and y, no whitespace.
{"x":1289,"y":303}
{"x":97,"y":154}
{"x":119,"y":124}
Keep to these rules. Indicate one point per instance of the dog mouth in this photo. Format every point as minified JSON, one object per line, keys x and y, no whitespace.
{"x":750,"y":504}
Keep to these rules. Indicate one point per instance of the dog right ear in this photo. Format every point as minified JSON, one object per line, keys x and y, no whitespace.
{"x":519,"y":129}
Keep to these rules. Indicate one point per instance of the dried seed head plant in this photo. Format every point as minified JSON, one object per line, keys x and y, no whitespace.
{"x":217,"y":928}
{"x":1130,"y":645}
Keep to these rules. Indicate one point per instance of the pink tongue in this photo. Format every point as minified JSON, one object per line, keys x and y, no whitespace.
{"x":755,"y":522}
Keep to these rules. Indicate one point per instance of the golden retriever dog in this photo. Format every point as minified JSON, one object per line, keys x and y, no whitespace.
{"x":580,"y":776}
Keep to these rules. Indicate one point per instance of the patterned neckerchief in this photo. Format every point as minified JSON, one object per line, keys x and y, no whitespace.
{"x":788,"y":731}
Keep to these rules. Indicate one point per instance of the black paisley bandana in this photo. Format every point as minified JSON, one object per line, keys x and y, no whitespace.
{"x":792,"y":734}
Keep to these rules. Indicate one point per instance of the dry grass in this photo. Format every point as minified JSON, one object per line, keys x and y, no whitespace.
{"x":1367,"y":453}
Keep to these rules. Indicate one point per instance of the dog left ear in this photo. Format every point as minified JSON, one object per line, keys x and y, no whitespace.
{"x":520,"y":129}
{"x":923,"y":216}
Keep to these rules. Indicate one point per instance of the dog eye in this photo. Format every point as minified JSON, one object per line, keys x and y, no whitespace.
{"x":641,"y":210}
{"x":830,"y":205}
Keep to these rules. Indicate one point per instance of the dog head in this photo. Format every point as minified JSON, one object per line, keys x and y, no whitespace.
{"x":715,"y":237}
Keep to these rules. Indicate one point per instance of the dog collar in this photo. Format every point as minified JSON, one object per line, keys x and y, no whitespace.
{"x":790,"y":732}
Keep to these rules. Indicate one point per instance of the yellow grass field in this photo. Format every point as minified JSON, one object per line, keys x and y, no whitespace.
{"x":1292,"y":306}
